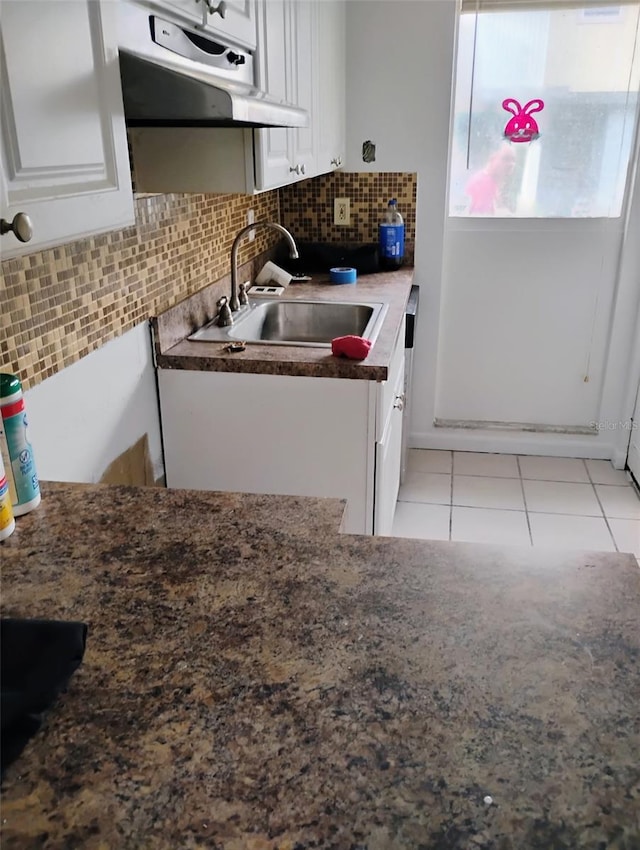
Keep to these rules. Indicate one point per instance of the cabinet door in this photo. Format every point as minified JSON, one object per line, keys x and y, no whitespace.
{"x":63,"y":140}
{"x":272,"y":146}
{"x":269,"y":434}
{"x":303,"y":55}
{"x":287,"y":68}
{"x":388,"y":462}
{"x":331,"y":79}
{"x":633,"y":457}
{"x":238,"y":23}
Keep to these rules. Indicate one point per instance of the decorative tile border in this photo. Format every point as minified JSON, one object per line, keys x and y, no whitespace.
{"x":307,"y":206}
{"x":59,"y":305}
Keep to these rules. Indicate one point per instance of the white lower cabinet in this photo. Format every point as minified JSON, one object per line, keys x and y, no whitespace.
{"x":388,"y":462}
{"x":633,"y":458}
{"x":287,"y":435}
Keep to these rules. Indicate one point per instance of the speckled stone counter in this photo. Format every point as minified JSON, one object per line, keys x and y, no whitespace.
{"x":255,"y":680}
{"x":174,"y":351}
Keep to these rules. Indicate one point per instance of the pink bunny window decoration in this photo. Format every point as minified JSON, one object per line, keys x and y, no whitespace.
{"x":522,"y":127}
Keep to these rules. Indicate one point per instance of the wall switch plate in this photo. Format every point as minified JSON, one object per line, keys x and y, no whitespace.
{"x":266,"y":290}
{"x":251,"y":217}
{"x":342,"y":212}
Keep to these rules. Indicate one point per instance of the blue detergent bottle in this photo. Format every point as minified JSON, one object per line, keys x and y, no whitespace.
{"x":391,"y":234}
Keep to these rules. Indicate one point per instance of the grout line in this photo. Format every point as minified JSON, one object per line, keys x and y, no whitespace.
{"x":559,"y":481}
{"x":491,"y":508}
{"x":489,"y":475}
{"x":451,"y":499}
{"x":476,"y":507}
{"x":524,"y":499}
{"x":606,"y":518}
{"x":420,"y":502}
{"x":564,"y":513}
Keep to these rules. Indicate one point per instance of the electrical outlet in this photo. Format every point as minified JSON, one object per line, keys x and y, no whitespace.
{"x":342,"y":212}
{"x":251,"y":217}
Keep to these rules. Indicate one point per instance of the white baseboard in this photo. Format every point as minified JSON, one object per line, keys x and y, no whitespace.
{"x":517,"y":442}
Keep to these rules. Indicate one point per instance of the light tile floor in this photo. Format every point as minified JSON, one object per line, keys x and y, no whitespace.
{"x":561,"y":503}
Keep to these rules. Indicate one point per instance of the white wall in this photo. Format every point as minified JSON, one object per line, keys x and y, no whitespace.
{"x":83,"y":418}
{"x":399,"y":67}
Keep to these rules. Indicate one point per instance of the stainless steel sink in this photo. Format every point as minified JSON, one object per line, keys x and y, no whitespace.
{"x":298,"y":322}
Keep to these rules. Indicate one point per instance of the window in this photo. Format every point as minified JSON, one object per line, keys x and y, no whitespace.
{"x":576,"y":73}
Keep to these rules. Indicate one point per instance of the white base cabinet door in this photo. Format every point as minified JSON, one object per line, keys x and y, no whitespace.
{"x":270,"y":434}
{"x":63,"y":140}
{"x":388,"y":462}
{"x":633,"y":457}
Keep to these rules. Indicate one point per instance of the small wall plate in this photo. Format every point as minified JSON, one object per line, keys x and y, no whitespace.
{"x":265,"y":290}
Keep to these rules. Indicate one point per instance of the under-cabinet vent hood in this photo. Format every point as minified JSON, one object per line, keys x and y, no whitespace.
{"x":173,"y":76}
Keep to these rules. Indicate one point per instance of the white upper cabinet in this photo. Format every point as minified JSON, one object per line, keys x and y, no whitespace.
{"x":300,"y":59}
{"x":330,"y":111}
{"x":234,"y":20}
{"x":273,"y":146}
{"x":305,"y":77}
{"x":287,"y":59}
{"x":303,"y":51}
{"x":63,"y":140}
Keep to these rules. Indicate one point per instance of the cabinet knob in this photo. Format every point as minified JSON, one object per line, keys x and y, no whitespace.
{"x":21,"y":227}
{"x":399,"y":402}
{"x":298,"y":169}
{"x":337,"y":161}
{"x":220,"y":9}
{"x":236,"y":58}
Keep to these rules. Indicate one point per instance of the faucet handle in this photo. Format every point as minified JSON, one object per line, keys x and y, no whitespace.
{"x":243,"y":298}
{"x":224,"y":313}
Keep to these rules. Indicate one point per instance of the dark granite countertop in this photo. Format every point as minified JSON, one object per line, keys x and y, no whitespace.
{"x":174,"y":351}
{"x":255,"y":680}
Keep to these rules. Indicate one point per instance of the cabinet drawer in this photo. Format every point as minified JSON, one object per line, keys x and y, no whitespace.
{"x":388,"y":389}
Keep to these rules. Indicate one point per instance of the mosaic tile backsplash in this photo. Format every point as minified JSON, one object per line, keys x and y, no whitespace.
{"x":307,"y":207}
{"x":58,"y":305}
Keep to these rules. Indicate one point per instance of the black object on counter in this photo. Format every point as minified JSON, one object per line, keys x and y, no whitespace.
{"x":411,"y":311}
{"x":322,"y":256}
{"x":37,"y":658}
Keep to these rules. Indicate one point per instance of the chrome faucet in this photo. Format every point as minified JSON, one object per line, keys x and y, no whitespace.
{"x":234,"y":302}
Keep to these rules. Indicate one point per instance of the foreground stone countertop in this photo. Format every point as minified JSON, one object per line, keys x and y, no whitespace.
{"x":255,"y":680}
{"x":181,"y":320}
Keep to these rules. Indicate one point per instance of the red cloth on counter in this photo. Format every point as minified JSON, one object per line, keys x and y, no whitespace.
{"x":354,"y":347}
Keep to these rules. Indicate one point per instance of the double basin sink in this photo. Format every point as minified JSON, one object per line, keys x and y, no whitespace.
{"x":297,"y":322}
